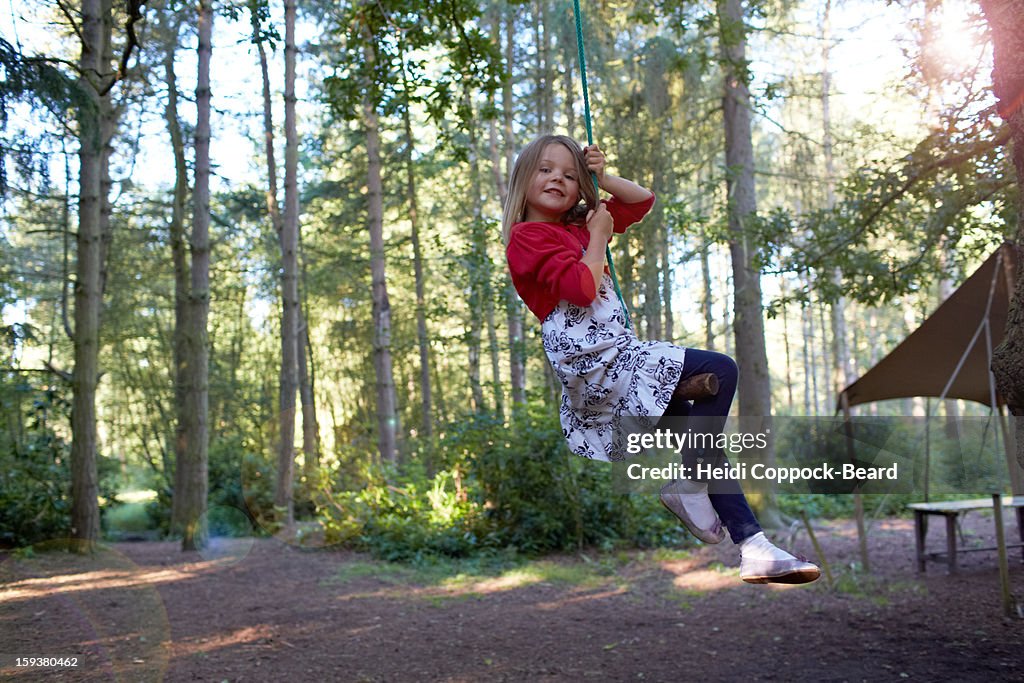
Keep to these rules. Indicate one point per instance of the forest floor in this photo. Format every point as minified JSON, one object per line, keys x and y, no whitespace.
{"x":263,"y":610}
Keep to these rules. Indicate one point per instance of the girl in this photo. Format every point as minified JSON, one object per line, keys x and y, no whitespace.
{"x":555,"y":232}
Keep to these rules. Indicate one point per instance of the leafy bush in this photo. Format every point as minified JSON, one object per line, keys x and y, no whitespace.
{"x":239,"y":480}
{"x":515,"y":488}
{"x":35,"y":465}
{"x":241,"y":491}
{"x":35,"y":490}
{"x":415,"y":517}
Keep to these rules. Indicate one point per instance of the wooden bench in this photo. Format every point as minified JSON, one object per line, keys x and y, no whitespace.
{"x":951,"y":510}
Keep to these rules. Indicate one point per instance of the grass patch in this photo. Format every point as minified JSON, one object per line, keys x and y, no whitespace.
{"x":723,"y":569}
{"x":667,"y":555}
{"x":390,"y":573}
{"x":683,"y":597}
{"x":878,"y":590}
{"x":476,"y":577}
{"x":129,"y":518}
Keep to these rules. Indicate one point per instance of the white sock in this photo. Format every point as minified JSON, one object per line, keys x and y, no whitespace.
{"x":758,"y":547}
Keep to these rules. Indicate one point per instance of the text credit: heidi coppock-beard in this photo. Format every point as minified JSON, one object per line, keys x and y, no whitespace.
{"x":741,"y":471}
{"x":819,"y":455}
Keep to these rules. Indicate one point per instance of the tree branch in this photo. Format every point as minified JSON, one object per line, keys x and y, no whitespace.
{"x":63,"y":374}
{"x":134,"y":8}
{"x":926,"y":171}
{"x":71,"y":20}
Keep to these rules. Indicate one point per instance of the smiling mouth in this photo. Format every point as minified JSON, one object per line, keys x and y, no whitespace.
{"x":555,"y":192}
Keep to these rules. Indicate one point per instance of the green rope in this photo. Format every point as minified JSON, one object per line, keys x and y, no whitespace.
{"x":590,"y":141}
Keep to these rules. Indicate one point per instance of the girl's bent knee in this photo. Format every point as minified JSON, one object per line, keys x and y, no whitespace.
{"x":725,"y":366}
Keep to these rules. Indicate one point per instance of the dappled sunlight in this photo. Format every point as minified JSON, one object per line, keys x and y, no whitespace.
{"x":483,"y":588}
{"x":581,"y":598}
{"x":455,"y":587}
{"x":436,"y":583}
{"x":704,"y":580}
{"x":505,"y":582}
{"x":682,"y":565}
{"x":260,"y":633}
{"x":894,"y":525}
{"x":700,"y":574}
{"x":101,"y":607}
{"x":39,"y":587}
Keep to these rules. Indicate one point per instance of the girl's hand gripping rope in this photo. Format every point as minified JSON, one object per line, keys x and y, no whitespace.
{"x":600,"y":224}
{"x":596,"y":162}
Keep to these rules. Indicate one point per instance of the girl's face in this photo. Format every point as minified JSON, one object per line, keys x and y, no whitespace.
{"x":555,"y":186}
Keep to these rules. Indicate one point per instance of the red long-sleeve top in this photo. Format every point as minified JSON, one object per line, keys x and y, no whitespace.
{"x":544,"y":258}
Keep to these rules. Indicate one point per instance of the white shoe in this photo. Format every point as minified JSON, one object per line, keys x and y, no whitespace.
{"x":761,"y":561}
{"x":688,"y":500}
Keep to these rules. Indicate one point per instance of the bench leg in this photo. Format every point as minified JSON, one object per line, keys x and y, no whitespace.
{"x":920,"y":531}
{"x":951,"y":541}
{"x":1020,"y":530}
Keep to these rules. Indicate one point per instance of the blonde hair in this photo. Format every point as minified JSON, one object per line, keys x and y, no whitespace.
{"x":522,"y":173}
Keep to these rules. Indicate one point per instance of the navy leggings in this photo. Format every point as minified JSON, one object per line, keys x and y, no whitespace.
{"x":726,"y":494}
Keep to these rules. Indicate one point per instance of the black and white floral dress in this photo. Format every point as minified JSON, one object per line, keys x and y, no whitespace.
{"x":607,"y":374}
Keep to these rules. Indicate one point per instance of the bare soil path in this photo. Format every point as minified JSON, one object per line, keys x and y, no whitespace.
{"x":261,"y":610}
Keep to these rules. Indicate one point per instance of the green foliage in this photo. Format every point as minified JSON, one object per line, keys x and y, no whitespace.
{"x":415,"y":517}
{"x":817,"y":506}
{"x":127,"y":520}
{"x":516,"y":490}
{"x":399,"y":74}
{"x":36,"y":80}
{"x":239,"y":480}
{"x":35,"y":473}
{"x":241,"y":492}
{"x":35,"y":463}
{"x":900,"y":225}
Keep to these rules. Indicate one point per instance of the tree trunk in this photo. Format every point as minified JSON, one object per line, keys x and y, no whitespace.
{"x":751,"y":357}
{"x":179,"y":253}
{"x":754,"y":386}
{"x":841,"y":371}
{"x":569,"y":78}
{"x":664,"y":253}
{"x":1006,"y":22}
{"x":650,"y":253}
{"x":545,"y":98}
{"x":786,"y":349}
{"x":476,"y":273}
{"x":288,"y":237}
{"x":188,"y":513}
{"x":706,"y":302}
{"x":808,"y":358}
{"x":823,"y":354}
{"x":422,"y":335}
{"x":387,"y":413}
{"x":513,"y":305}
{"x":310,"y":424}
{"x":486,"y":269}
{"x":492,"y":341}
{"x":95,"y":125}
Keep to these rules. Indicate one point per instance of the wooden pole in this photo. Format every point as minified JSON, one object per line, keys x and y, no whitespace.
{"x":927,"y":446}
{"x":858,"y":497}
{"x":817,"y":548}
{"x":1004,"y":567}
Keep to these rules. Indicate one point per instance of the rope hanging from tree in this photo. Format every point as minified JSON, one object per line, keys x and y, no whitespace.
{"x":590,"y":140}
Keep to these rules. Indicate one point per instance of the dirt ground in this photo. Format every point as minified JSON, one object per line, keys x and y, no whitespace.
{"x":264,"y":610}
